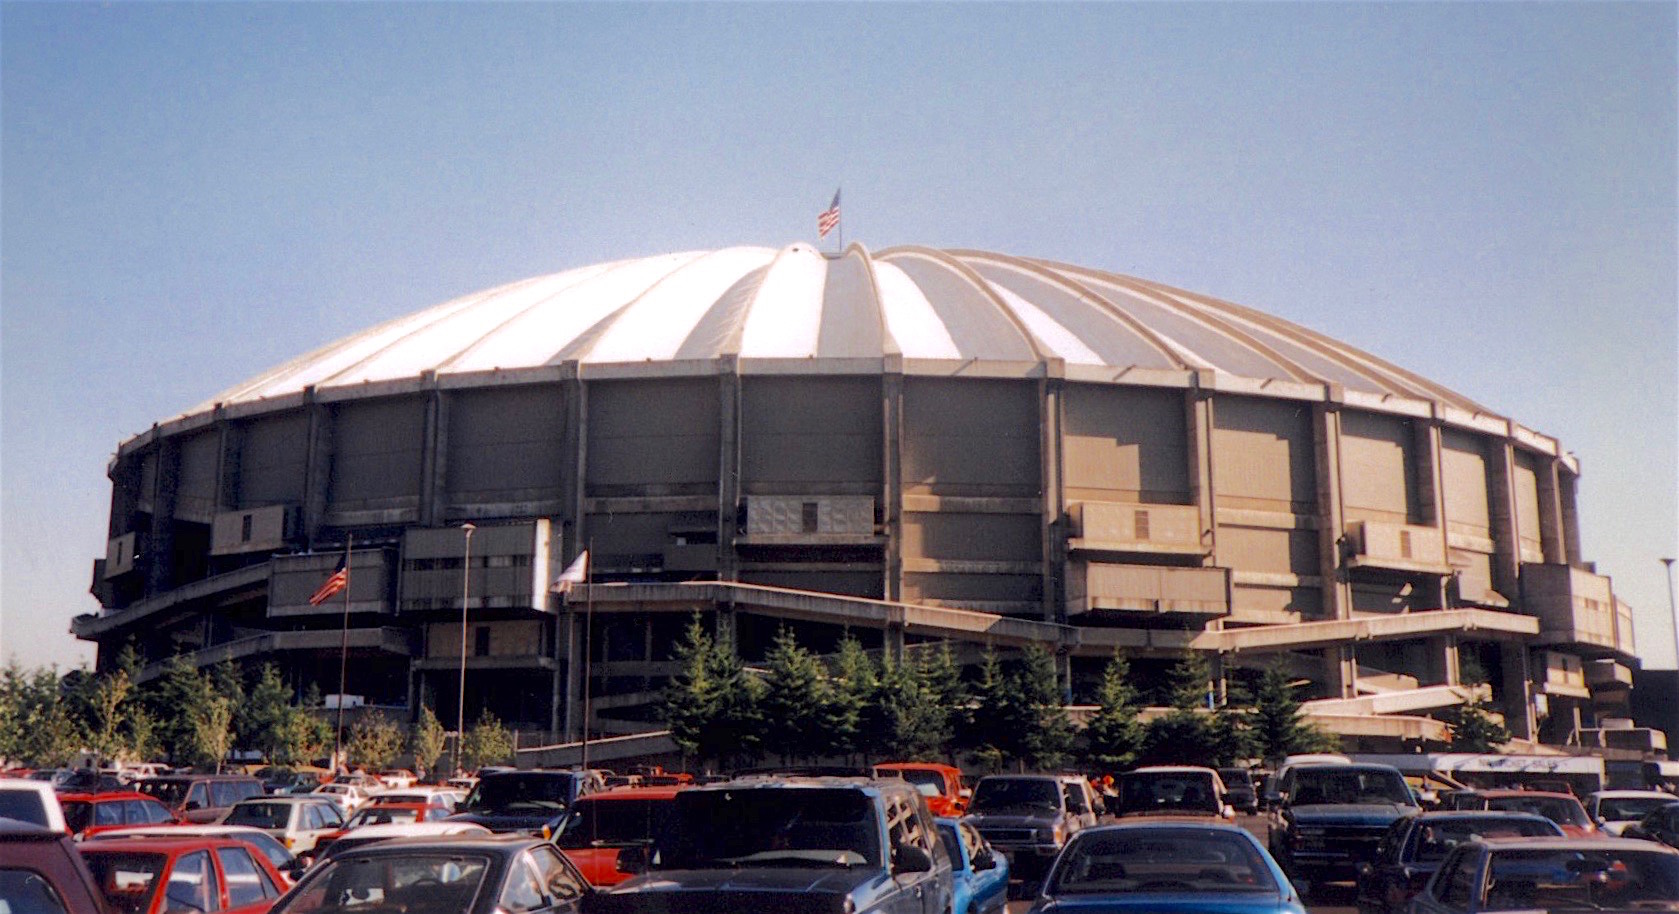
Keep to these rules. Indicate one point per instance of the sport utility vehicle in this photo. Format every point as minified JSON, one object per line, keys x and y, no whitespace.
{"x":791,"y":844}
{"x":525,"y":800}
{"x":1334,"y":816}
{"x":1029,"y":817}
{"x":202,"y":798}
{"x":41,"y":871}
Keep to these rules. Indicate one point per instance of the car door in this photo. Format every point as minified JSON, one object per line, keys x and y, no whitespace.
{"x":250,"y":890}
{"x":192,"y":887}
{"x":990,"y":882}
{"x":909,"y":894}
{"x":540,"y":880}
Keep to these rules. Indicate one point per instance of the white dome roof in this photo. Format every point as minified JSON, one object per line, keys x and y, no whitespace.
{"x":798,"y":303}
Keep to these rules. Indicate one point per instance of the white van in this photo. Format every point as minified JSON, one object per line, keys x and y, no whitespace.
{"x":33,"y":802}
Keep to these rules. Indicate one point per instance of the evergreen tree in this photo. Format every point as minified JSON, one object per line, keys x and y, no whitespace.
{"x":980,"y":732}
{"x":139,"y":726}
{"x":690,"y":701}
{"x":1474,"y":728}
{"x":1114,"y":735}
{"x":902,"y":718}
{"x":47,"y":734}
{"x":735,"y":736}
{"x":941,"y":681}
{"x":178,"y":699}
{"x":796,"y":699}
{"x":427,"y":741}
{"x":1046,"y":735}
{"x":855,"y":682}
{"x":1278,"y":726}
{"x":1187,"y":734}
{"x":267,"y":717}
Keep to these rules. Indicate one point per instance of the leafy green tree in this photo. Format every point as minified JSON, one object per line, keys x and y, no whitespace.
{"x":374,"y":742}
{"x":212,"y":733}
{"x":107,"y":725}
{"x":178,"y":700}
{"x":11,"y":711}
{"x":1115,"y":734}
{"x":1279,"y":727}
{"x":427,"y":741}
{"x":797,"y":695}
{"x":267,"y":719}
{"x":47,"y":733}
{"x":487,"y":742}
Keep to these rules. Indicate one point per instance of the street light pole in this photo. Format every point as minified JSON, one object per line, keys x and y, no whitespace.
{"x":1673,"y":613}
{"x":466,"y":594}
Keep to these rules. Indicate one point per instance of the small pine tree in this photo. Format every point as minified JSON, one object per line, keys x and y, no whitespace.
{"x":690,"y":701}
{"x":795,"y":697}
{"x":1045,"y":734}
{"x":855,"y":681}
{"x":1114,"y":735}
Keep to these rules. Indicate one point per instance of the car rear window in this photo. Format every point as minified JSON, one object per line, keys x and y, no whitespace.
{"x":260,"y":815}
{"x":127,"y":880}
{"x":1178,"y":861}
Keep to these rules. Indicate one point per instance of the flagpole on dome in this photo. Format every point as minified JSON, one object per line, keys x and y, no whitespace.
{"x":588,"y":634}
{"x":343,"y":663}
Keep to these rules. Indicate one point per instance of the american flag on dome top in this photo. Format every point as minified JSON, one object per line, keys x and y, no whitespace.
{"x":829,"y":219}
{"x":339,"y":580}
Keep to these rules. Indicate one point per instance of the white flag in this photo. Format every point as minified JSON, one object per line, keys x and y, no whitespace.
{"x":575,"y":573}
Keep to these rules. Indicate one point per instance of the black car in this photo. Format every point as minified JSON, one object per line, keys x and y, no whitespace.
{"x":1029,"y":817}
{"x":790,"y":844}
{"x":457,"y":875}
{"x":525,"y":801}
{"x":1414,"y":846}
{"x":1661,"y":824}
{"x":1333,"y":818}
{"x":1239,"y":789}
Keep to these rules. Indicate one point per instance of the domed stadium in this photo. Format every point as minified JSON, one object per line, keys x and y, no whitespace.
{"x":913,"y":446}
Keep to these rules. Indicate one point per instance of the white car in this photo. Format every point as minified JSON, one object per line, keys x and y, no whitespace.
{"x":297,"y":820}
{"x":447,"y":797}
{"x":347,"y":796}
{"x":33,"y":802}
{"x":1614,"y":810}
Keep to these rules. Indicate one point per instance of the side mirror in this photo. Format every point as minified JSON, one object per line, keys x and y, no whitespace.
{"x":633,"y":860}
{"x":1227,"y":811}
{"x":985,"y":860}
{"x":965,"y":793}
{"x":911,"y":859}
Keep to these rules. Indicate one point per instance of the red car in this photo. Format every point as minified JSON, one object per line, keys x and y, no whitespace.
{"x":155,"y":875}
{"x":381,"y":814}
{"x":1562,"y":808}
{"x":599,"y":825}
{"x":940,"y":784}
{"x":91,"y":813}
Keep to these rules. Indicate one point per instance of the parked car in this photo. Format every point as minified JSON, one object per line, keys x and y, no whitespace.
{"x":600,"y":825}
{"x":1660,"y":824}
{"x":349,"y":797}
{"x":452,"y":875}
{"x":1601,"y":873}
{"x":1613,"y":810}
{"x":1167,"y":866}
{"x":446,"y":798}
{"x":1239,"y":789}
{"x":1561,"y":808}
{"x":979,"y":874}
{"x":397,"y":778}
{"x":1334,"y":816}
{"x":351,"y":839}
{"x":203,"y":798}
{"x":297,"y":821}
{"x":42,"y":872}
{"x":188,"y":874}
{"x":791,"y":844}
{"x":940,"y":784}
{"x":1028,"y":817}
{"x":1170,"y":790}
{"x":284,"y":861}
{"x":527,"y":801}
{"x":91,"y":813}
{"x":1412,"y":850}
{"x":24,"y":800}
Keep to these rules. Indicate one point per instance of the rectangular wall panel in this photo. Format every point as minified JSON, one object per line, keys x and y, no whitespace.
{"x":1125,"y":444}
{"x":1263,"y":455}
{"x":377,"y":447}
{"x":971,"y":437}
{"x":505,"y":444}
{"x":1378,"y":468}
{"x":656,"y":436}
{"x":994,"y":537}
{"x":1272,"y":551}
{"x":1527,"y":507}
{"x":805,"y":432}
{"x":200,"y":455}
{"x":273,"y":452}
{"x":1464,"y":466}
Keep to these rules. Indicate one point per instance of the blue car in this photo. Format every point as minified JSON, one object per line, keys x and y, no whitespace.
{"x":1163,"y":867}
{"x":981,"y":875}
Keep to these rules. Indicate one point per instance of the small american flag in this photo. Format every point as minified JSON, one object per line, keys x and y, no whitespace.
{"x":829,"y":219}
{"x":339,"y":580}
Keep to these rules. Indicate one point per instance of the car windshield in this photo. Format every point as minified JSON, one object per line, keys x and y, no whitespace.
{"x":259,"y":815}
{"x":1346,"y":784}
{"x":382,"y":815}
{"x":930,"y":783}
{"x":419,"y":880}
{"x":1631,"y":809}
{"x":1561,"y":810}
{"x":1236,"y":778}
{"x":1167,"y":791}
{"x":1160,"y":860}
{"x":771,"y":826}
{"x":520,"y":792}
{"x":1527,"y":879}
{"x":127,"y":880}
{"x":1000,"y":794}
{"x":613,"y":823}
{"x":1436,"y":837}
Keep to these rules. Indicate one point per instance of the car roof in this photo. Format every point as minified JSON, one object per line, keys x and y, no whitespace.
{"x":1437,"y":815}
{"x":1212,"y":823}
{"x":1171,"y":769}
{"x":1634,"y":794}
{"x":872,"y":786}
{"x":1599,"y":843}
{"x":105,"y":795}
{"x":163,"y":845}
{"x":284,"y":798}
{"x":1502,"y":792}
{"x":417,"y":829}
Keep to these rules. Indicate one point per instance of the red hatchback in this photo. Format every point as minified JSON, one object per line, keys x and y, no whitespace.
{"x":154,"y":875}
{"x":92,"y":813}
{"x":599,"y":825}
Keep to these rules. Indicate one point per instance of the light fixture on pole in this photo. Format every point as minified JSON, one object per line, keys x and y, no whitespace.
{"x":466,"y":595}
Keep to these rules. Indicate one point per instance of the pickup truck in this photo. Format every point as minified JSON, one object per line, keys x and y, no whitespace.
{"x":1333,"y":816}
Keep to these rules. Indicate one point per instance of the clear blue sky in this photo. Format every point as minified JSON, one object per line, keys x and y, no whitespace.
{"x":1482,"y":193}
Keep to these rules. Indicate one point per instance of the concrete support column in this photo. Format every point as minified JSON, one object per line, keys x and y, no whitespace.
{"x":892,"y":475}
{"x":572,"y":623}
{"x":434,"y":456}
{"x":227,"y":462}
{"x":317,"y":467}
{"x":1198,"y":406}
{"x":1340,"y":666}
{"x":160,"y":550}
{"x":1552,"y":540}
{"x":728,"y":466}
{"x":1443,"y":661}
{"x":1504,"y":520}
{"x":1518,"y":690}
{"x":1051,"y":415}
{"x":1567,"y":486}
{"x":574,"y":451}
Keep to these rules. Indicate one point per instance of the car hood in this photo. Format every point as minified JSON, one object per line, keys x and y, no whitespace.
{"x":802,"y":890}
{"x":504,"y":822}
{"x":1255,"y":903}
{"x":1014,"y":819}
{"x":1348,"y":813}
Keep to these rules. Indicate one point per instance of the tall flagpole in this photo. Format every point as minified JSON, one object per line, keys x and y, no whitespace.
{"x":343,"y":664}
{"x":839,"y":224}
{"x":588,"y":637}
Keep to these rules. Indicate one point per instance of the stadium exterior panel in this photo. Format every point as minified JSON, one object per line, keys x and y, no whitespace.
{"x":913,"y":446}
